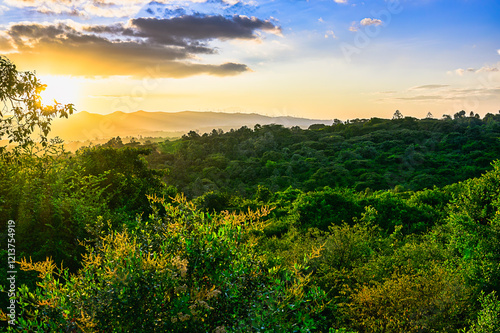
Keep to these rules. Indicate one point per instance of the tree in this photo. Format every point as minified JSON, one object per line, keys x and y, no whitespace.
{"x":488,"y":319}
{"x":429,"y":116}
{"x":22,"y":111}
{"x":460,"y":114}
{"x":397,"y":115}
{"x":114,"y":142}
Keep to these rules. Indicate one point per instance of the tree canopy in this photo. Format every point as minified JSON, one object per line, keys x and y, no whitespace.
{"x":22,"y":111}
{"x":337,"y":229}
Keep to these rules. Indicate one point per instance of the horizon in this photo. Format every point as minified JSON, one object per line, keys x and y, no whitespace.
{"x":195,"y":111}
{"x":335,"y":59}
{"x":279,"y":116}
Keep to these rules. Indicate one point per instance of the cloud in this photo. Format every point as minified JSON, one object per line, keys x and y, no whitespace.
{"x":353,"y":27}
{"x":3,"y":9}
{"x":484,"y":69}
{"x":442,"y":93}
{"x":5,"y":44}
{"x":461,"y":71}
{"x":112,"y":8}
{"x":84,"y":8}
{"x":48,"y":6}
{"x":370,"y":21}
{"x":341,"y":1}
{"x":364,"y":22}
{"x":169,"y":47}
{"x":201,"y":28}
{"x":487,"y":69}
{"x":498,"y":51}
{"x":330,"y":33}
{"x":420,"y":98}
{"x":430,"y":86}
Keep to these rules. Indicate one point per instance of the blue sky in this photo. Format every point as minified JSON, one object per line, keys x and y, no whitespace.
{"x":319,"y":59}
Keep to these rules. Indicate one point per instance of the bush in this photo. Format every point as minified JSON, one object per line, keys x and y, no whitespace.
{"x":323,"y":208}
{"x":179,"y":271}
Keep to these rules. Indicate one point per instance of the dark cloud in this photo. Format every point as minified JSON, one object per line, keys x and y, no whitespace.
{"x":168,"y":45}
{"x":5,"y":44}
{"x":200,"y":28}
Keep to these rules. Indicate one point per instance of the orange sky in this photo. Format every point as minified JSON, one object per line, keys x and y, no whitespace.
{"x":319,"y":59}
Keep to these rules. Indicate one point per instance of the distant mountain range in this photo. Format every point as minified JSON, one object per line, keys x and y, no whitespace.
{"x":85,"y":126}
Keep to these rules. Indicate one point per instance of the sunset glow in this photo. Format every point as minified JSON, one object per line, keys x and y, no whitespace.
{"x":320,"y":59}
{"x":60,"y":89}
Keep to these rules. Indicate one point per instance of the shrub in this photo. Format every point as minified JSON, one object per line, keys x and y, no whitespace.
{"x":182,"y":271}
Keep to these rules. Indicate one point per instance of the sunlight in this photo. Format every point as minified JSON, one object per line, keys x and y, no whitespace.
{"x":63,"y":89}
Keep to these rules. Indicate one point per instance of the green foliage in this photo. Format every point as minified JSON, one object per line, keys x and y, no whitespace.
{"x":55,"y":199}
{"x":127,"y":177}
{"x":22,"y":109}
{"x":343,"y":228}
{"x":323,"y":208}
{"x":180,"y":271}
{"x":432,"y":301}
{"x":213,"y":201}
{"x":478,"y":198}
{"x":51,"y":204}
{"x":376,"y":154}
{"x":488,"y":320}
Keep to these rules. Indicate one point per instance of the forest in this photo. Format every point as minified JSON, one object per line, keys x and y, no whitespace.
{"x":366,"y":225}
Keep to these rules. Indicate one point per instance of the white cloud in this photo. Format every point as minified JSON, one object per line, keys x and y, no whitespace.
{"x":461,"y":71}
{"x":429,"y":87}
{"x":330,"y":33}
{"x":108,"y":11}
{"x":341,"y":1}
{"x":102,"y":8}
{"x":484,"y":69}
{"x":364,"y":22}
{"x":3,"y":9}
{"x":440,"y":93}
{"x":353,"y":27}
{"x":370,"y":21}
{"x":498,"y":51}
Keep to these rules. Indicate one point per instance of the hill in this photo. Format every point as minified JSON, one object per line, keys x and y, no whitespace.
{"x":339,"y":228}
{"x":84,"y":125}
{"x":375,"y":154}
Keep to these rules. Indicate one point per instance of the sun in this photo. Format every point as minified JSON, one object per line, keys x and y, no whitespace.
{"x":62,"y":89}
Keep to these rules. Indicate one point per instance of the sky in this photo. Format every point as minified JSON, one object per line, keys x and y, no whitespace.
{"x":321,"y":59}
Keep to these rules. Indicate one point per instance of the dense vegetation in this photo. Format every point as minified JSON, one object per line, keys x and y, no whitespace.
{"x":365,"y":226}
{"x":376,"y":154}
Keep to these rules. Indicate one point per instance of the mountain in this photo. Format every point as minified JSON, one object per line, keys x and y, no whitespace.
{"x":85,"y":126}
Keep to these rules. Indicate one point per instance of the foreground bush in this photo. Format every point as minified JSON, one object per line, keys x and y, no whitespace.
{"x":181,"y":271}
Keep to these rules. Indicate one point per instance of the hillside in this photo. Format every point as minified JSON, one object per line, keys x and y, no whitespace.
{"x":375,"y":154}
{"x":83,"y":126}
{"x":366,"y":226}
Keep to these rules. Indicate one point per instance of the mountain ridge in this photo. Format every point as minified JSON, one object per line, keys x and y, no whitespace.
{"x":87,"y":126}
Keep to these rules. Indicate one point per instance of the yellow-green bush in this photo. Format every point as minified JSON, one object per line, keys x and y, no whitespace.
{"x":179,"y":271}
